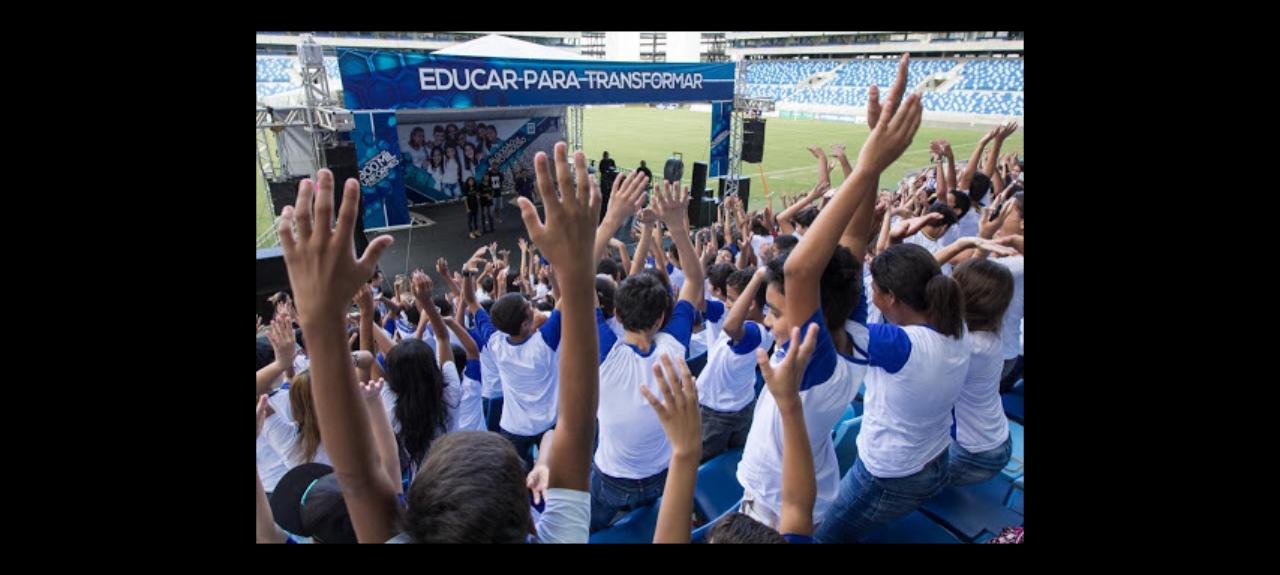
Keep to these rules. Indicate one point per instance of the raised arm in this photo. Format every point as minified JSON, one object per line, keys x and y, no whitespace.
{"x":647,"y":218}
{"x":997,"y":181}
{"x":368,"y":341}
{"x":672,"y":205}
{"x":283,"y":341}
{"x":442,"y":268}
{"x":799,"y":483}
{"x":983,"y":247}
{"x":325,"y":274}
{"x":422,"y":288}
{"x":468,"y":343}
{"x":622,"y":251}
{"x":384,"y":437}
{"x":890,"y":137}
{"x":735,"y":320}
{"x":784,"y":218}
{"x":971,"y":168}
{"x":681,"y":421}
{"x":624,"y":200}
{"x":837,"y":149}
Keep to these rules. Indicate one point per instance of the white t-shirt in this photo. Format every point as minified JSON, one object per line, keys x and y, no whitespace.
{"x":677,"y":279}
{"x":758,"y":242}
{"x":453,"y":397}
{"x":616,"y":327}
{"x":714,"y":322}
{"x":1011,"y":331}
{"x":270,"y":465}
{"x":967,"y":227}
{"x":632,"y":443}
{"x":934,"y":246}
{"x":980,"y":421}
{"x":530,"y":373}
{"x":828,"y":386}
{"x":283,"y":437}
{"x":419,"y":155}
{"x":490,"y":379}
{"x":727,"y":383}
{"x":914,"y":379}
{"x":566,"y":517}
{"x":451,"y":170}
{"x":469,"y":415}
{"x":873,"y":313}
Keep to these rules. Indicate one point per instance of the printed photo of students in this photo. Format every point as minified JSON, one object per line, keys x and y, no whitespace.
{"x":452,"y":173}
{"x":418,"y":147}
{"x":469,"y":132}
{"x":469,"y":162}
{"x":435,"y":169}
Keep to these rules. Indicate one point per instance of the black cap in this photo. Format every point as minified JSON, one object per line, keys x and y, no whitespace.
{"x":308,"y":502}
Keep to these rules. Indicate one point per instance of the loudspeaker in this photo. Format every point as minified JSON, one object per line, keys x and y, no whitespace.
{"x":271,"y":277}
{"x":695,"y":208}
{"x":707,"y":215}
{"x":284,"y":191}
{"x":753,"y":140}
{"x":342,"y":162}
{"x":744,"y":189}
{"x":699,"y":182}
{"x":674,"y":170}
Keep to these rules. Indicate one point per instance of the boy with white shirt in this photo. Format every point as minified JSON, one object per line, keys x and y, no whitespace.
{"x":932,"y":236}
{"x":726,"y":386}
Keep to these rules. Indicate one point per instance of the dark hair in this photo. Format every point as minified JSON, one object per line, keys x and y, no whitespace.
{"x":297,"y":335}
{"x":675,"y":253}
{"x":414,"y":376}
{"x":718,"y":274}
{"x":509,"y":314}
{"x":605,"y":291}
{"x":486,"y":284}
{"x":740,"y":279}
{"x":609,"y":267}
{"x":471,"y":490}
{"x":442,"y":303}
{"x":431,"y":159}
{"x":962,"y":204}
{"x":266,"y":353}
{"x":414,"y":314}
{"x":487,"y":304}
{"x":839,"y":288}
{"x":979,"y":186}
{"x":738,"y":528}
{"x":912,"y":275}
{"x":438,"y":128}
{"x":548,"y":303}
{"x":459,"y":358}
{"x":785,"y":243}
{"x":415,"y":132}
{"x":1017,"y":198}
{"x":512,"y":276}
{"x":642,"y":300}
{"x":662,"y":278}
{"x":948,"y":215}
{"x":987,"y":288}
{"x":805,"y":217}
{"x":758,"y":227}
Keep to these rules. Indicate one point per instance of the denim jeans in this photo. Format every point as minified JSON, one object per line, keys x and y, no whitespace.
{"x":867,"y":502}
{"x":524,"y":445}
{"x":471,"y":220}
{"x":493,"y":413}
{"x":609,"y":495}
{"x":1011,"y":374}
{"x":486,"y":216}
{"x":451,"y":190}
{"x":969,"y":468}
{"x":722,"y":431}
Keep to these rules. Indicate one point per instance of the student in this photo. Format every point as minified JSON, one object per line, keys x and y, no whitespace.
{"x":297,"y":438}
{"x":982,"y":445}
{"x":471,"y":196}
{"x":469,"y":162}
{"x":452,"y":172}
{"x":472,"y":478}
{"x":418,"y":146}
{"x":933,"y":236}
{"x":726,"y":386}
{"x":1010,"y":232}
{"x":487,"y":193}
{"x":630,"y":465}
{"x":674,"y":269}
{"x":436,"y":169}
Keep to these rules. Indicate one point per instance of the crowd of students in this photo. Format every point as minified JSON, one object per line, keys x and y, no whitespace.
{"x":547,"y":401}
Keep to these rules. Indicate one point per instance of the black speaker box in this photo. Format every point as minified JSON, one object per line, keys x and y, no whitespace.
{"x":744,"y":189}
{"x":753,"y":140}
{"x":674,"y":170}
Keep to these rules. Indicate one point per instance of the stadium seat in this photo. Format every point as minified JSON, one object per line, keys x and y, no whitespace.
{"x":717,"y":486}
{"x":846,"y":416}
{"x":699,"y":535}
{"x":1013,"y":406}
{"x":1013,"y":470}
{"x":845,"y":443}
{"x":970,"y":509}
{"x":637,"y":527}
{"x":913,"y":528}
{"x":696,"y":363}
{"x":1015,"y":501}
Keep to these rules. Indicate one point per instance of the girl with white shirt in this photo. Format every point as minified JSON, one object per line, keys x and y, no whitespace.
{"x":916,"y":369}
{"x":418,"y":147}
{"x":435,"y":167}
{"x":452,"y":174}
{"x":296,"y":435}
{"x":982,"y":445}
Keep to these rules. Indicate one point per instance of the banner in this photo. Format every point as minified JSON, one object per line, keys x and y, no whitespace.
{"x":381,"y":80}
{"x":721,"y":123}
{"x":378,"y":157}
{"x":841,"y":118}
{"x":440,"y":157}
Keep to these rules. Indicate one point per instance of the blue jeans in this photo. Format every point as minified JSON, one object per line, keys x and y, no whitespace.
{"x":969,"y":468}
{"x":493,"y":413}
{"x":722,"y":431}
{"x":451,"y":190}
{"x":524,"y":445}
{"x":867,"y":502}
{"x":609,"y":495}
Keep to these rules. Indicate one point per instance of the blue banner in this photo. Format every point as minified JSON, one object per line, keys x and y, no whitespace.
{"x":378,"y":156}
{"x":721,"y":122}
{"x":381,"y":80}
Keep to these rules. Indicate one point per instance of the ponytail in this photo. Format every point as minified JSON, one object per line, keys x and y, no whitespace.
{"x":945,"y":306}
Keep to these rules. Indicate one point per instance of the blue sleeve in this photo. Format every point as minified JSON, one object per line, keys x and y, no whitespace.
{"x":670,"y":268}
{"x":485,"y":328}
{"x":607,"y":337}
{"x":475,"y":335}
{"x":823,"y":362}
{"x":750,"y":340}
{"x":473,"y":369}
{"x":382,"y":362}
{"x":390,"y":324}
{"x":715,"y":311}
{"x":889,"y":347}
{"x":650,"y":261}
{"x":551,"y":330}
{"x":289,"y":540}
{"x":798,"y":539}
{"x":733,"y":248}
{"x":681,"y":324}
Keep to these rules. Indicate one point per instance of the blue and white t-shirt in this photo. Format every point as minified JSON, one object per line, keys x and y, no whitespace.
{"x":677,"y":278}
{"x":632,"y":443}
{"x":1011,"y":331}
{"x":967,"y":227}
{"x":873,"y":313}
{"x":469,"y":413}
{"x":828,"y":386}
{"x":453,"y":397}
{"x":530,"y":372}
{"x":980,"y":421}
{"x":727,"y":382}
{"x":715,"y":322}
{"x":283,"y":437}
{"x":914,"y":379}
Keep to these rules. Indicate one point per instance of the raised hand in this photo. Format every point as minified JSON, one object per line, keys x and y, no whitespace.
{"x":647,"y":217}
{"x":671,"y":204}
{"x":678,"y":412}
{"x":371,"y":391}
{"x":999,"y":247}
{"x":259,"y":324}
{"x":1006,"y":131}
{"x":784,"y":381}
{"x":422,"y":288}
{"x":493,"y":249}
{"x":1014,"y":241}
{"x":283,"y":341}
{"x":536,"y":481}
{"x":364,"y":300}
{"x":837,"y":150}
{"x":895,"y":128}
{"x":442,"y":267}
{"x":627,"y":195}
{"x":908,"y":227}
{"x":816,"y":151}
{"x":524,"y":246}
{"x":945,"y":147}
{"x":568,"y":236}
{"x":263,"y":410}
{"x":323,"y":271}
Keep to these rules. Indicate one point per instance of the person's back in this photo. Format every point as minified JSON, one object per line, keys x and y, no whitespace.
{"x":527,"y":364}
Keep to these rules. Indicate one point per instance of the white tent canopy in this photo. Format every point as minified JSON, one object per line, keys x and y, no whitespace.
{"x":497,"y":46}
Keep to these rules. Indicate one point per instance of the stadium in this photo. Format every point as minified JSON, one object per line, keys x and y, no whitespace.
{"x":441,"y":131}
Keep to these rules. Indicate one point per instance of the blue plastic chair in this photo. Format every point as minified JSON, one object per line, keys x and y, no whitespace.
{"x":696,"y":363}
{"x":846,"y":445}
{"x":717,"y":488}
{"x":848,"y":414}
{"x":1013,"y":470}
{"x":1015,"y":501}
{"x":913,"y":528}
{"x":1012,"y":406}
{"x":637,"y":527}
{"x":971,"y":509}
{"x":699,"y":535}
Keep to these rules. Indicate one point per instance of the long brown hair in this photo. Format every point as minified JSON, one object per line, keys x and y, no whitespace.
{"x":988,"y":288}
{"x":304,"y":414}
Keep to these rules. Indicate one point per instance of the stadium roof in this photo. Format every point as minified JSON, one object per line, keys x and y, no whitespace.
{"x":497,"y":46}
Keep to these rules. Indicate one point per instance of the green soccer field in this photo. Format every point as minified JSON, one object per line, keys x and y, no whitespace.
{"x":650,"y":134}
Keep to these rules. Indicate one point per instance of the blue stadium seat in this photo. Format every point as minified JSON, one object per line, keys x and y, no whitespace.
{"x":637,"y":527}
{"x":845,"y":443}
{"x":1013,"y":406}
{"x":1013,"y":470}
{"x":858,"y":407}
{"x":717,"y":488}
{"x":912,"y":528}
{"x":1015,"y":501}
{"x":699,"y":535}
{"x":846,"y":416}
{"x":970,"y":509}
{"x":696,"y":363}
